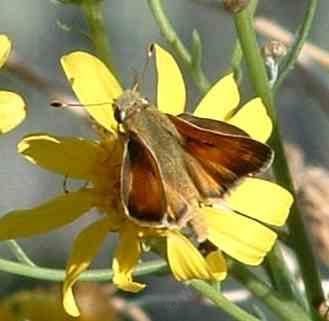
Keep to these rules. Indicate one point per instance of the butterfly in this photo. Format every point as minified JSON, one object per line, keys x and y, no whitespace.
{"x":172,"y":165}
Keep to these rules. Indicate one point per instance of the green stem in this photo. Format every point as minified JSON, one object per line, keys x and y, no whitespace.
{"x":55,"y":275}
{"x":243,"y":22}
{"x":220,"y":301}
{"x":254,"y":60}
{"x":258,"y":75}
{"x":19,"y":253}
{"x":302,"y":34}
{"x":211,"y":291}
{"x":93,"y":12}
{"x":285,"y":309}
{"x":281,"y":278}
{"x":237,"y":52}
{"x":298,"y":234}
{"x":191,"y":61}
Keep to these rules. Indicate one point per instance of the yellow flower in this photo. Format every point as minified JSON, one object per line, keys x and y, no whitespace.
{"x":12,"y":106}
{"x":240,"y":236}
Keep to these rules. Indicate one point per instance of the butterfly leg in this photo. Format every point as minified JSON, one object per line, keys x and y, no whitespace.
{"x":199,"y":227}
{"x":193,"y":218}
{"x":217,"y":203}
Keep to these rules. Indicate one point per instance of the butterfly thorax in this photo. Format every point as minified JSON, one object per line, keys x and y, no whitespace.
{"x":159,"y":133}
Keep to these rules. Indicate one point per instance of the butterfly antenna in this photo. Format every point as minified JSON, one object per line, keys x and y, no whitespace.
{"x":139,"y":80}
{"x":136,"y":82}
{"x":62,"y":104}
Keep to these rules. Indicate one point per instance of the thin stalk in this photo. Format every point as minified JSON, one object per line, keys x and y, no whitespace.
{"x":258,"y":75}
{"x":191,"y":60}
{"x":236,"y":61}
{"x":93,"y":12}
{"x":19,"y":253}
{"x":302,"y":34}
{"x":220,"y":301}
{"x":56,"y":275}
{"x":283,"y":308}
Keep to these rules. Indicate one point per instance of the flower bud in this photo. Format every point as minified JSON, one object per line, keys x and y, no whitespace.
{"x":235,"y":6}
{"x":274,"y":49}
{"x":273,"y":52}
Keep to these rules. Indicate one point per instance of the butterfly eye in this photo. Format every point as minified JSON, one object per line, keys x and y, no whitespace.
{"x":119,"y":115}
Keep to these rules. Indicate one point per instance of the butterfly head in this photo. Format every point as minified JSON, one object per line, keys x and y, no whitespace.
{"x":128,"y":104}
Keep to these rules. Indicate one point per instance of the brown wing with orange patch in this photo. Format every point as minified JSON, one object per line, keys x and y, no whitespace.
{"x":142,"y":191}
{"x":223,"y":154}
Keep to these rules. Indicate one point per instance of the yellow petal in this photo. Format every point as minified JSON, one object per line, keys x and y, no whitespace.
{"x":254,"y":120}
{"x":240,"y":237}
{"x":126,"y":258}
{"x":265,"y":201}
{"x":220,"y":101}
{"x":5,"y":47}
{"x":93,"y":83}
{"x":217,"y":265}
{"x":185,"y":261}
{"x":12,"y":111}
{"x":85,"y":248}
{"x":67,"y":156}
{"x":53,"y":214}
{"x":171,"y":94}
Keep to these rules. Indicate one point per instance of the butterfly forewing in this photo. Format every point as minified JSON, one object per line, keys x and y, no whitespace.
{"x":225,"y":153}
{"x":142,"y":192}
{"x":211,"y":124}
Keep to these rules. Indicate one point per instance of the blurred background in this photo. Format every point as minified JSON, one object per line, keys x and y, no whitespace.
{"x":44,"y":30}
